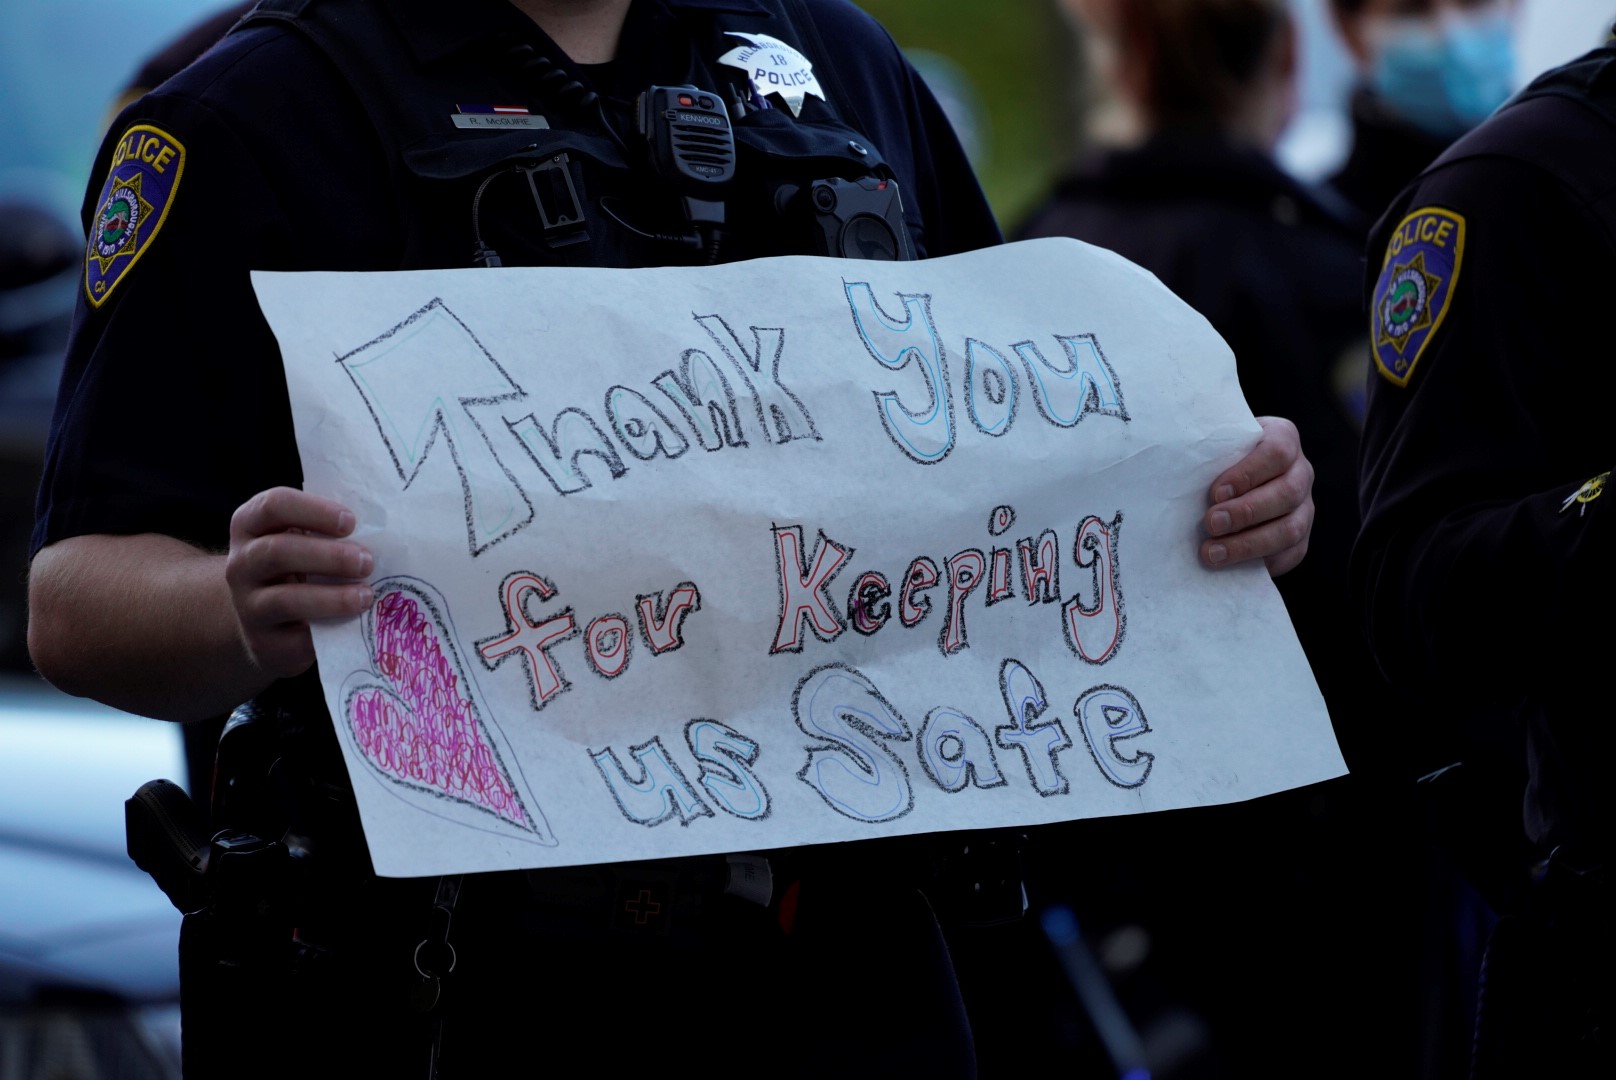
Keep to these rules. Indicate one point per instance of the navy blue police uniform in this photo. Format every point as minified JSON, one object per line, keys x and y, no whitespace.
{"x":1482,"y":568}
{"x":362,"y":136}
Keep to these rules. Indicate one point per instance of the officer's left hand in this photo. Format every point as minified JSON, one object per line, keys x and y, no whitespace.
{"x":1262,"y":507}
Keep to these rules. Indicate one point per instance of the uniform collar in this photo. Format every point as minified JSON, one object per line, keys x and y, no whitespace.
{"x":435,"y":30}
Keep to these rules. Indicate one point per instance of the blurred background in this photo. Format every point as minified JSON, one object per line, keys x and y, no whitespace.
{"x":86,"y":965}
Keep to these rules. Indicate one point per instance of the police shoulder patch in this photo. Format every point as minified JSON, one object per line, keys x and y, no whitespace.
{"x":140,"y":188}
{"x":1415,"y":288}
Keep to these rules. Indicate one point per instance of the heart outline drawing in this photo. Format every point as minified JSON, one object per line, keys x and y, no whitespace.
{"x":416,"y":718}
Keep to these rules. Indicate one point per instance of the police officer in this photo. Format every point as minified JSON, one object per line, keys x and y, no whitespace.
{"x":1483,"y":563}
{"x":178,"y":566}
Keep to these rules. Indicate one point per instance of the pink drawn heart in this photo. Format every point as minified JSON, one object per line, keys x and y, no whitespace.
{"x":422,"y":728}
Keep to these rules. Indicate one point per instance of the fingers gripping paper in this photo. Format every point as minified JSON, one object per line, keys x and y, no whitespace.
{"x":799,"y":550}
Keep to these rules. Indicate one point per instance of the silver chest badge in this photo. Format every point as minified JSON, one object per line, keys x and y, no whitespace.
{"x":774,"y":68}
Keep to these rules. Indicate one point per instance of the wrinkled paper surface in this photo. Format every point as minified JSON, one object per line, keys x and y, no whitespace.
{"x":679,"y":561}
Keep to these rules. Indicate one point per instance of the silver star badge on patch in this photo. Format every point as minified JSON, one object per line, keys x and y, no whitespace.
{"x":773,"y":67}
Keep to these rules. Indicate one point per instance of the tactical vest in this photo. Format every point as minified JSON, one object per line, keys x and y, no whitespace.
{"x":584,"y":190}
{"x":437,"y":171}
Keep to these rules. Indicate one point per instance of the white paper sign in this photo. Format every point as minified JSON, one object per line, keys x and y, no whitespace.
{"x":682,"y":561}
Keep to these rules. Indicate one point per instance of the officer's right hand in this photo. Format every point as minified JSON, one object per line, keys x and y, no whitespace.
{"x":280,"y":539}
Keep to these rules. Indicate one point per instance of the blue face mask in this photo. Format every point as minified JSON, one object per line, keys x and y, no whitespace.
{"x":1446,"y":75}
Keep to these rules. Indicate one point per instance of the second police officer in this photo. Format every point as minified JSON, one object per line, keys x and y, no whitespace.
{"x":1483,"y":565}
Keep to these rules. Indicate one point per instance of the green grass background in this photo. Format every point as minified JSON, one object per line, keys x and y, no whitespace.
{"x":1020,"y":59}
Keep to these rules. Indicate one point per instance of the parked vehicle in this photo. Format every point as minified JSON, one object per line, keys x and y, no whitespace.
{"x":89,"y":957}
